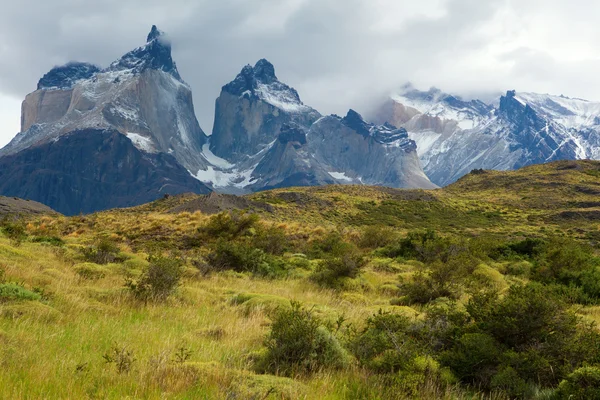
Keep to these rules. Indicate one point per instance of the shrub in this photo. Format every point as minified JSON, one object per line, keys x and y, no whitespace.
{"x":582,"y":384}
{"x":229,"y":225}
{"x":104,"y":251}
{"x":298,"y":343}
{"x":121,"y":357}
{"x":334,"y":268}
{"x":384,"y":345}
{"x":241,"y":257}
{"x":474,"y":358}
{"x":373,"y":237}
{"x":51,"y":240}
{"x":271,"y":240}
{"x":14,"y":292}
{"x":562,"y":261}
{"x":441,"y":279}
{"x":159,"y":280}
{"x":15,"y":231}
{"x":2,"y":275}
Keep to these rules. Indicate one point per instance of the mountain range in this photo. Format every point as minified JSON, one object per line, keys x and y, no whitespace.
{"x":95,"y":138}
{"x":454,"y":136}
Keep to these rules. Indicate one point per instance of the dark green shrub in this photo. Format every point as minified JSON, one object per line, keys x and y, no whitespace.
{"x":582,"y":384}
{"x":590,"y":282}
{"x":330,"y":245}
{"x":241,"y":257}
{"x":376,"y":236}
{"x":15,"y":231}
{"x":51,"y":240}
{"x":333,"y":269}
{"x":298,"y":343}
{"x":229,"y":225}
{"x":529,"y":248}
{"x":385,"y":345}
{"x":270,"y":239}
{"x":104,"y":251}
{"x":14,"y":292}
{"x":474,"y":358}
{"x":159,"y":280}
{"x":562,"y":261}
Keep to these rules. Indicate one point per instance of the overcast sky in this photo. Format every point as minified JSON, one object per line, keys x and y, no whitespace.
{"x":338,"y":54}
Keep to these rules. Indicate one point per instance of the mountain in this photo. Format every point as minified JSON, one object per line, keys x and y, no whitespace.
{"x":95,"y":138}
{"x":265,"y":137}
{"x":455,"y":136}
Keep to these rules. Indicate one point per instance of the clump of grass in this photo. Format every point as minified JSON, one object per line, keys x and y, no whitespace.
{"x":14,"y":292}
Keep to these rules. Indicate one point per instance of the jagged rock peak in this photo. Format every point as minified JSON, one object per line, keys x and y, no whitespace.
{"x":251,"y":79}
{"x":155,"y":54}
{"x":356,"y":122}
{"x":65,"y":76}
{"x":154,"y":33}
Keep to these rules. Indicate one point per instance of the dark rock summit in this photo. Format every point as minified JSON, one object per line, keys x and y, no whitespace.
{"x":64,"y":77}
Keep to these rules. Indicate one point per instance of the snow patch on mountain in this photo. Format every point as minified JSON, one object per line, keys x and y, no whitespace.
{"x":282,"y":99}
{"x":142,"y":143}
{"x":340,"y":176}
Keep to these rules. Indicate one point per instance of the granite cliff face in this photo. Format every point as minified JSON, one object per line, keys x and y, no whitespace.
{"x":265,"y":137}
{"x":63,"y":156}
{"x":93,"y":170}
{"x":251,"y":111}
{"x":94,"y":138}
{"x":338,"y":150}
{"x":454,"y":136}
{"x":140,"y":95}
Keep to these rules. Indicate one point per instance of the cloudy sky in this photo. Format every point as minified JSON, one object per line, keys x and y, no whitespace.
{"x":337,"y":53}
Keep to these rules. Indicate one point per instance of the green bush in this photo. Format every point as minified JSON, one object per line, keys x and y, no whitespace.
{"x":376,"y":236}
{"x":582,"y":384}
{"x":562,"y":261}
{"x":474,"y":358}
{"x":15,"y":231}
{"x":333,"y":269}
{"x":14,"y":292}
{"x":103,"y":251}
{"x":299,"y":343}
{"x":51,"y":240}
{"x":158,"y":281}
{"x":385,"y":345}
{"x":229,"y":225}
{"x":270,"y":239}
{"x":241,"y":257}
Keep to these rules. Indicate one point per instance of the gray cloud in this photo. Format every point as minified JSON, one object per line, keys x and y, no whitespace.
{"x":338,"y":53}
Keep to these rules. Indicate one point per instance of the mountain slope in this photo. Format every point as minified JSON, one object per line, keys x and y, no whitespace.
{"x":454,"y":136}
{"x":140,"y":95}
{"x":96,"y":138}
{"x":87,"y":171}
{"x":265,"y":137}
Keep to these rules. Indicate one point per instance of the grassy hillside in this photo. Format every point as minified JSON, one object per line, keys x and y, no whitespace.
{"x":487,"y":289}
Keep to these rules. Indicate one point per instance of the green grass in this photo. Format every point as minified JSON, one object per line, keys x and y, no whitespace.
{"x":62,"y":314}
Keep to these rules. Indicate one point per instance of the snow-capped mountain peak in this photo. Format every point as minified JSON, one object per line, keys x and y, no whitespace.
{"x":261,"y":82}
{"x":435,"y":103}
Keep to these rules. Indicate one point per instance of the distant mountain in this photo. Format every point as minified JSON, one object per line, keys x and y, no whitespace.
{"x":454,"y":136}
{"x":94,"y":138}
{"x":265,"y":137}
{"x":74,"y":116}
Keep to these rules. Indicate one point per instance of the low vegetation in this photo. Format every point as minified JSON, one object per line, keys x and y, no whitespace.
{"x":484,"y":290}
